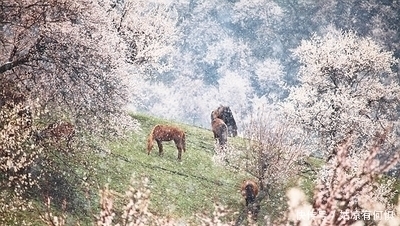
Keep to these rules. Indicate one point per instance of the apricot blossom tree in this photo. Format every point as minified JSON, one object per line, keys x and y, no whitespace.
{"x":73,"y":62}
{"x":346,"y":86}
{"x":347,"y":101}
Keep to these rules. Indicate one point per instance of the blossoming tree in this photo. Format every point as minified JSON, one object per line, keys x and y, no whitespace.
{"x":347,"y":101}
{"x":70,"y":61}
{"x":346,"y":86}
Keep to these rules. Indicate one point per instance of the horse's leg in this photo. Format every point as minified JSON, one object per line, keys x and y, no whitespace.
{"x":179,"y":147}
{"x":160,"y":147}
{"x":215,"y":137}
{"x":179,"y":154}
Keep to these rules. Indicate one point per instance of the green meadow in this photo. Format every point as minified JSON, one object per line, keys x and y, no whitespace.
{"x":179,"y":189}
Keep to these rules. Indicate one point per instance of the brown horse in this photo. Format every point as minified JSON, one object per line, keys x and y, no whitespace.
{"x":249,"y":190}
{"x":56,"y":132}
{"x":220,"y":131}
{"x":166,"y":133}
{"x":225,"y":113}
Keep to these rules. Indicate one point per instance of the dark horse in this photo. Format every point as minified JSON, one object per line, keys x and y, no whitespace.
{"x":225,"y":113}
{"x":167,"y":133}
{"x":249,"y":190}
{"x":220,"y":131}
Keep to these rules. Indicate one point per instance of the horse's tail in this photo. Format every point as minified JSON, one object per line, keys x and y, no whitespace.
{"x":150,"y":141}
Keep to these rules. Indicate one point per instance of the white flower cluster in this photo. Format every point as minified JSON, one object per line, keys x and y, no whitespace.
{"x":346,"y":86}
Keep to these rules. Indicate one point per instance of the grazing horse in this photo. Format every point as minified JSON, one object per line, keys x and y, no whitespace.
{"x":249,"y":190}
{"x":225,"y":113}
{"x":56,"y":132}
{"x":166,"y":133}
{"x":220,"y":131}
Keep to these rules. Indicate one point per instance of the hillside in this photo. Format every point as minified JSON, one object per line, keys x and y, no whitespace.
{"x":178,"y":189}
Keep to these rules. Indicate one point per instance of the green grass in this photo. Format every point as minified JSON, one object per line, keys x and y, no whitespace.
{"x":178,"y":189}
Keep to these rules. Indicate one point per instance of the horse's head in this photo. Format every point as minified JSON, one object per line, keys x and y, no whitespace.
{"x":214,"y":115}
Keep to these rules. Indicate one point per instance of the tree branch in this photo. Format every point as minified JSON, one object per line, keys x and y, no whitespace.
{"x":10,"y":65}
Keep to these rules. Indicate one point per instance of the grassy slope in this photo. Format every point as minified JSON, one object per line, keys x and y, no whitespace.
{"x":178,"y":189}
{"x":181,"y":189}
